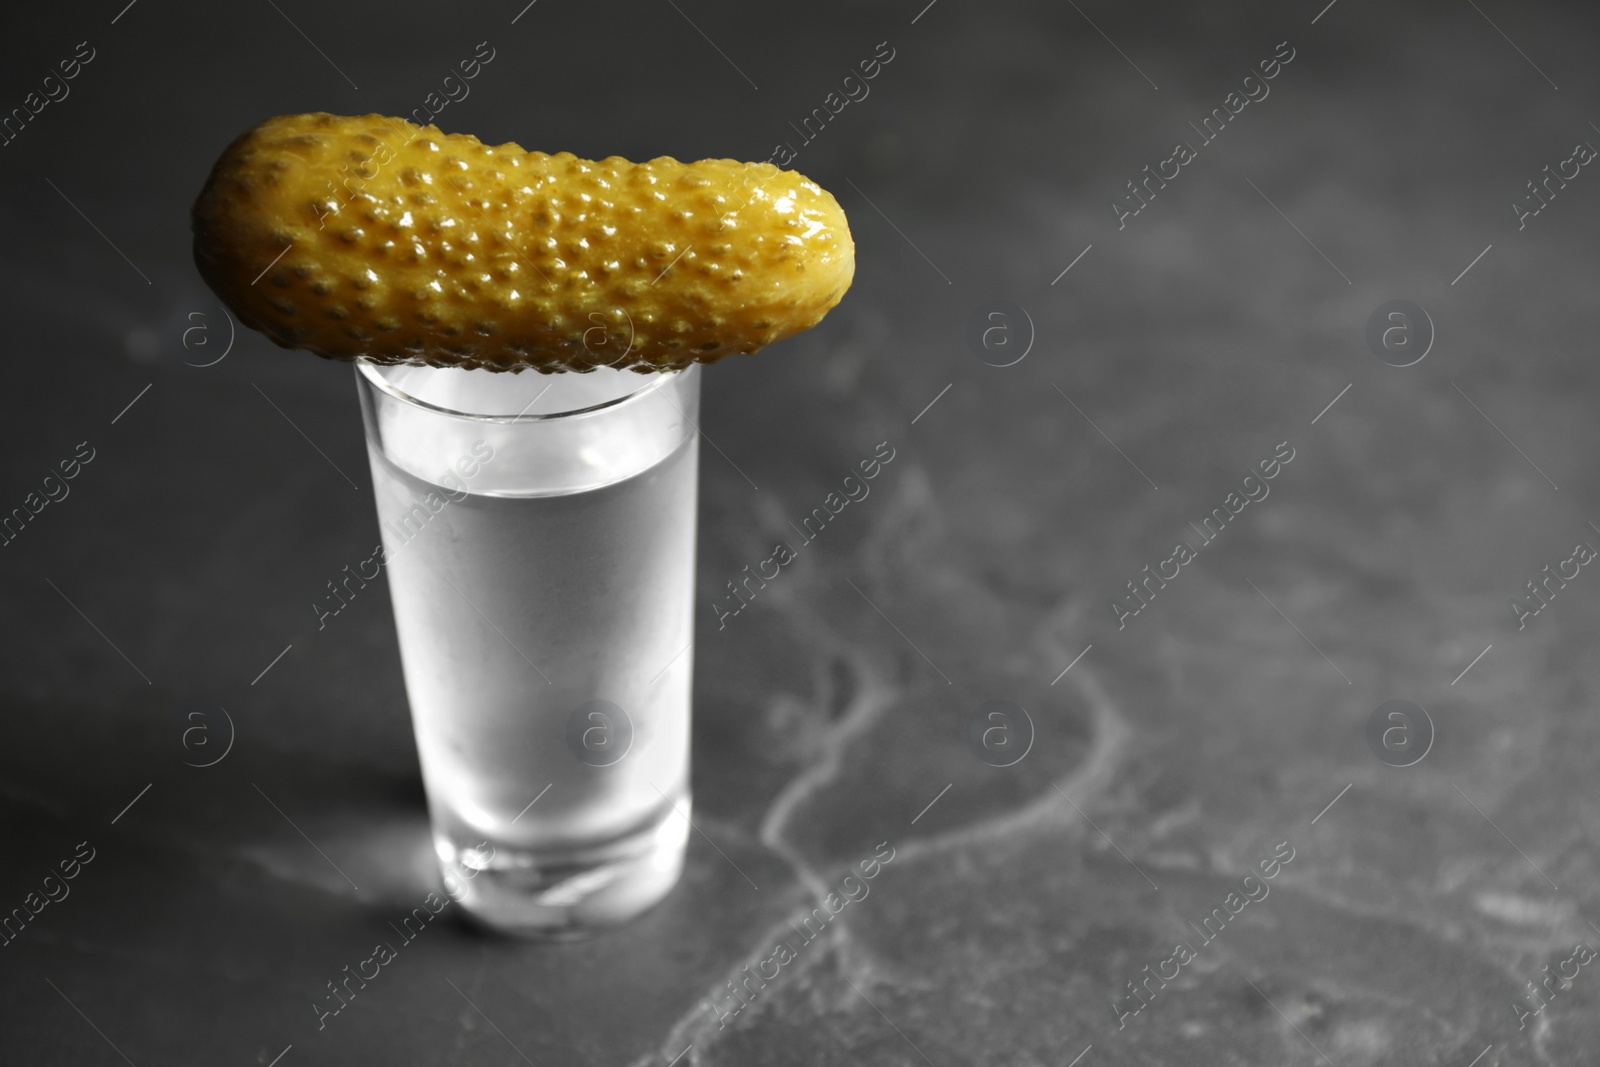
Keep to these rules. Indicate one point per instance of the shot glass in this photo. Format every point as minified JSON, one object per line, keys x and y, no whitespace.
{"x":539,"y":533}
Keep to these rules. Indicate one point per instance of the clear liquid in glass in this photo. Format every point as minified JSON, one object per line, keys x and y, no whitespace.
{"x":541,"y":574}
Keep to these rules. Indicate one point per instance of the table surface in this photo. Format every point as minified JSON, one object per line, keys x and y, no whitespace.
{"x":1031,"y":914}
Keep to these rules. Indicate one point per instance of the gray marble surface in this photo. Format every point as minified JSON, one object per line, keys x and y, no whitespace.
{"x":1223,"y":726}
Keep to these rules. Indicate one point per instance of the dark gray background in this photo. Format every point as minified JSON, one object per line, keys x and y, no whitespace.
{"x":828,"y":717}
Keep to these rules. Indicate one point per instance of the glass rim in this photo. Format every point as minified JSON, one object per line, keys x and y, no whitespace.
{"x":370,"y":371}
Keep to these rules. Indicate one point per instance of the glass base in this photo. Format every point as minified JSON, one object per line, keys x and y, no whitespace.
{"x":566,"y":894}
